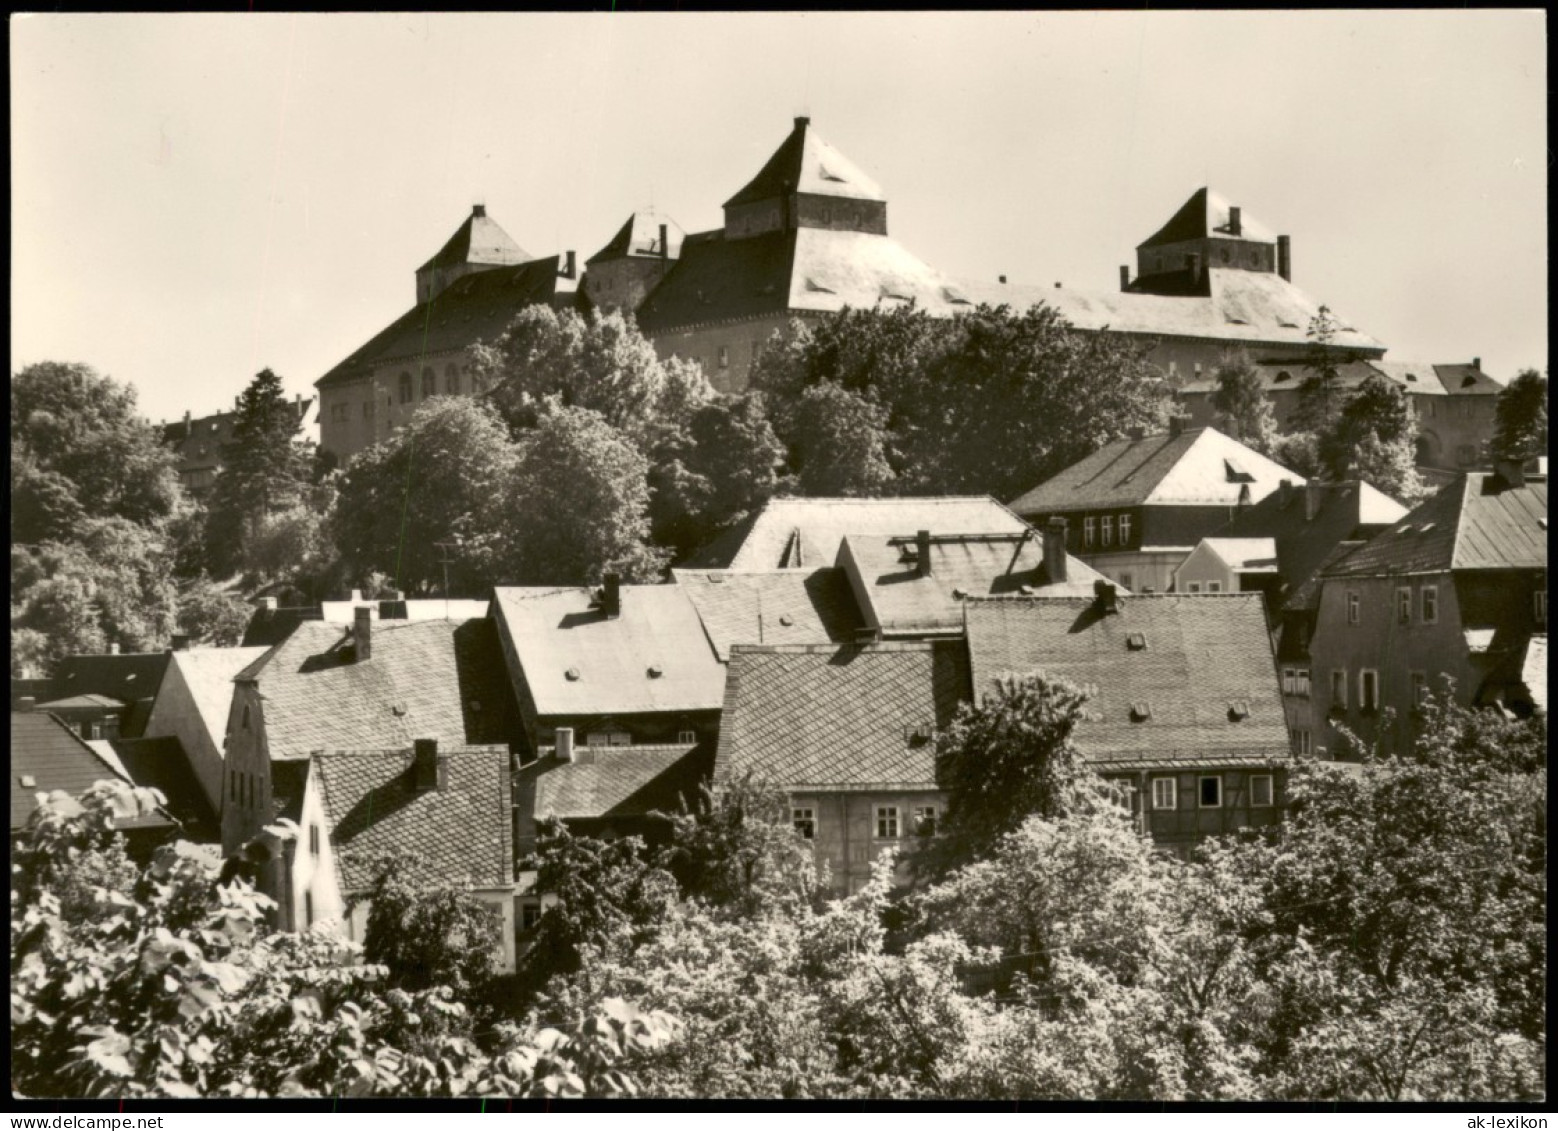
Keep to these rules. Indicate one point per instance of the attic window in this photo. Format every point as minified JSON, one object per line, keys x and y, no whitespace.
{"x":813,"y":285}
{"x":398,"y":710}
{"x":1235,"y":321}
{"x":656,"y":671}
{"x":1289,"y":325}
{"x":1425,"y":528}
{"x":28,"y":781}
{"x":1407,"y":529}
{"x":1235,"y":473}
{"x":955,"y":296}
{"x":716,"y":579}
{"x":1238,"y":710}
{"x":828,"y":175}
{"x":959,"y":594}
{"x":1141,"y":712}
{"x":1136,"y":642}
{"x":1468,"y":381}
{"x":888,"y":292}
{"x":571,"y":675}
{"x":787,"y":620}
{"x":1411,"y":376}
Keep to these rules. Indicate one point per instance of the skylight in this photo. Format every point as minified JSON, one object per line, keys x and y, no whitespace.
{"x":828,"y":175}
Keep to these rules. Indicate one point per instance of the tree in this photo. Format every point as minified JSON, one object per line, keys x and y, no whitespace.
{"x":80,"y":450}
{"x":428,"y":933}
{"x":1243,"y":410}
{"x":265,"y":470}
{"x":443,"y":478}
{"x":1520,"y":419}
{"x":839,"y":445}
{"x":211,"y":615}
{"x":1320,"y":392}
{"x":576,"y":504}
{"x":1373,"y":438}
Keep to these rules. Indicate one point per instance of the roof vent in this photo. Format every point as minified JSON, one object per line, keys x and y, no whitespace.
{"x":571,"y":675}
{"x":1468,"y":381}
{"x":1238,"y":710}
{"x":959,"y":594}
{"x":1136,"y":642}
{"x":398,"y":709}
{"x":28,"y":781}
{"x":1425,"y":528}
{"x":828,"y":175}
{"x":1407,"y":529}
{"x":787,"y":620}
{"x":1411,"y":376}
{"x":1141,"y":712}
{"x":716,"y":579}
{"x":813,"y":285}
{"x":656,"y":671}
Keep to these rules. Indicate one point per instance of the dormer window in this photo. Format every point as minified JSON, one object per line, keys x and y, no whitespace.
{"x":1136,"y":642}
{"x":1141,"y":712}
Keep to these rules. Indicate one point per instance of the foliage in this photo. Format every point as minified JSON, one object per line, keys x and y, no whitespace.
{"x":80,"y":450}
{"x":211,"y":615}
{"x":427,"y":933}
{"x":1320,"y":392}
{"x":838,"y":446}
{"x":1242,"y":408}
{"x":1520,"y":420}
{"x":1297,"y":451}
{"x":1372,"y":438}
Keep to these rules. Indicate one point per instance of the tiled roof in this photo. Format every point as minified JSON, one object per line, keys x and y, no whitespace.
{"x":614,"y":660}
{"x":639,"y":238}
{"x":807,"y":533}
{"x":132,"y":678}
{"x":840,"y":717}
{"x":478,"y":240}
{"x":429,"y":679}
{"x":161,"y":763}
{"x":1474,"y":523}
{"x":374,"y":808}
{"x":1190,"y":660}
{"x":771,"y":606}
{"x":1200,"y":467}
{"x":715,"y":279}
{"x":208,"y":673}
{"x":805,"y":163}
{"x":981,"y":565}
{"x":616,"y":781}
{"x":1245,"y":555}
{"x":47,"y":755}
{"x":1206,"y":214}
{"x":478,"y":307}
{"x":1467,"y":380}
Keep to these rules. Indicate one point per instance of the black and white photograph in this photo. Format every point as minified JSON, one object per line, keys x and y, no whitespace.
{"x":730,"y":557}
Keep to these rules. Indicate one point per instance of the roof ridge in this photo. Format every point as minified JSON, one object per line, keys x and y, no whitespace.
{"x":879,"y":646}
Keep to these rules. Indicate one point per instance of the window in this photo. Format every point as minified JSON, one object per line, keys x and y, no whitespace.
{"x":1164,"y":791}
{"x":1261,"y":791}
{"x":1125,"y":529}
{"x":1353,"y":607}
{"x":529,"y":916}
{"x":1127,"y":581}
{"x":1430,"y":603}
{"x":1300,"y":681}
{"x":1212,"y":792}
{"x":1214,"y":586}
{"x":1404,"y":606}
{"x":1368,"y":690}
{"x":1539,"y":607}
{"x":1089,"y":531}
{"x":608,"y":738}
{"x":1194,"y":587}
{"x":805,"y":822}
{"x":724,"y":357}
{"x":429,"y":384}
{"x":452,"y":380}
{"x":338,"y":412}
{"x":925,"y":820}
{"x":1289,"y":681}
{"x":405,"y":388}
{"x":1107,"y":524}
{"x":246,"y":716}
{"x":1339,"y":688}
{"x":313,"y":840}
{"x":1302,"y":743}
{"x":1419,"y":688}
{"x":887,"y":822}
{"x":686,"y":738}
{"x":308,"y":909}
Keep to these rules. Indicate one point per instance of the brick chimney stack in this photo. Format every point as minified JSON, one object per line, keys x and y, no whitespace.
{"x":665,"y":241}
{"x":1285,"y":258}
{"x":1104,"y":597}
{"x":1055,"y":549}
{"x":1177,"y":425}
{"x":611,"y":595}
{"x":478,"y":210}
{"x":362,"y":633}
{"x":1235,"y":220}
{"x":1125,"y":277}
{"x":426,"y":771}
{"x":922,"y":553}
{"x":1313,"y":494}
{"x":1511,"y":471}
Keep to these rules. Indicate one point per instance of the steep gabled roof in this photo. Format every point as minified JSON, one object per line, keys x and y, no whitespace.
{"x":617,"y":781}
{"x":1193,"y":662}
{"x":478,"y":240}
{"x":429,"y":679}
{"x":771,"y":606}
{"x":209,"y":674}
{"x":639,"y":238}
{"x":1206,"y":214}
{"x":840,"y":717}
{"x":807,"y":164}
{"x":133,"y":678}
{"x":374,"y":809}
{"x":654,"y":657}
{"x":1199,"y":467}
{"x":901,"y":602}
{"x":1474,"y":523}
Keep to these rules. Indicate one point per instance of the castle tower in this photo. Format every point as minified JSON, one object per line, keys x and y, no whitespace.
{"x":476,"y":245}
{"x":806,"y":184}
{"x":621,"y":274}
{"x":1207,"y":232}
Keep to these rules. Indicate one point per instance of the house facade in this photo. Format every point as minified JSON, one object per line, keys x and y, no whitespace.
{"x":193,"y":705}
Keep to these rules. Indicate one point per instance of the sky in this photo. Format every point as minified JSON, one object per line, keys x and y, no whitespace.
{"x":196,"y":197}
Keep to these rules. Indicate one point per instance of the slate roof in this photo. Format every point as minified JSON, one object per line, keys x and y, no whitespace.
{"x":1206,"y":214}
{"x":771,"y":606}
{"x":428,"y":679}
{"x":1474,"y":523}
{"x":555,"y":631}
{"x":1305,"y":596}
{"x":1202,"y":655}
{"x":373,"y":808}
{"x":1198,"y":467}
{"x":208,"y":673}
{"x":50,"y":755}
{"x":162,"y":764}
{"x":805,"y":163}
{"x":132,"y":677}
{"x":478,"y":307}
{"x":807,"y":533}
{"x":899,"y":601}
{"x":835,"y":718}
{"x":1415,"y":377}
{"x":639,"y":238}
{"x":478,"y":239}
{"x":615,"y":781}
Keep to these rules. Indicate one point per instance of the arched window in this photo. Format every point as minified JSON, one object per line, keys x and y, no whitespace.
{"x":429,"y":383}
{"x":405,"y":388}
{"x":452,"y":380}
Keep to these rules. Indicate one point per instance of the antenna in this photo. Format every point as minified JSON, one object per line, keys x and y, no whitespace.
{"x":445,"y":556}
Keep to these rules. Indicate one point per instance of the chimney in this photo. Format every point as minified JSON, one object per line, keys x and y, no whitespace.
{"x":1125,"y":277}
{"x":1476,"y":363}
{"x":611,"y":595}
{"x":1055,"y":550}
{"x":1284,"y":493}
{"x":1178,"y":424}
{"x":569,"y":265}
{"x":1313,"y":493}
{"x":665,"y":241}
{"x":181,"y":642}
{"x":564,"y":742}
{"x":1235,"y":225}
{"x":266,"y":604}
{"x":922,"y":553}
{"x":1285,"y":258}
{"x":1104,"y":598}
{"x":426,"y":773}
{"x":362,"y":633}
{"x":1002,"y":278}
{"x":394,"y":608}
{"x":1511,"y":471}
{"x":1136,"y":432}
{"x":802,"y":123}
{"x":1193,"y":265}
{"x":478,"y":210}
{"x":113,"y":649}
{"x":186,"y":418}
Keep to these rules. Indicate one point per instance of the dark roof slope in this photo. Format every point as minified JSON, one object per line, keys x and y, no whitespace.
{"x":1199,"y":658}
{"x":715,"y":279}
{"x":133,"y":678}
{"x":840,"y":717}
{"x":1206,"y":214}
{"x":47,"y":755}
{"x":374,"y":809}
{"x":269,"y":627}
{"x":805,"y":163}
{"x":616,"y":781}
{"x":478,"y":240}
{"x":1476,"y":522}
{"x":162,"y":764}
{"x":771,"y":607}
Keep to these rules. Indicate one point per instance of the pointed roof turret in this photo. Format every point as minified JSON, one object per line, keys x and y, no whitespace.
{"x":478,"y":240}
{"x":805,"y":163}
{"x":1207,"y":214}
{"x":640,"y":238}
